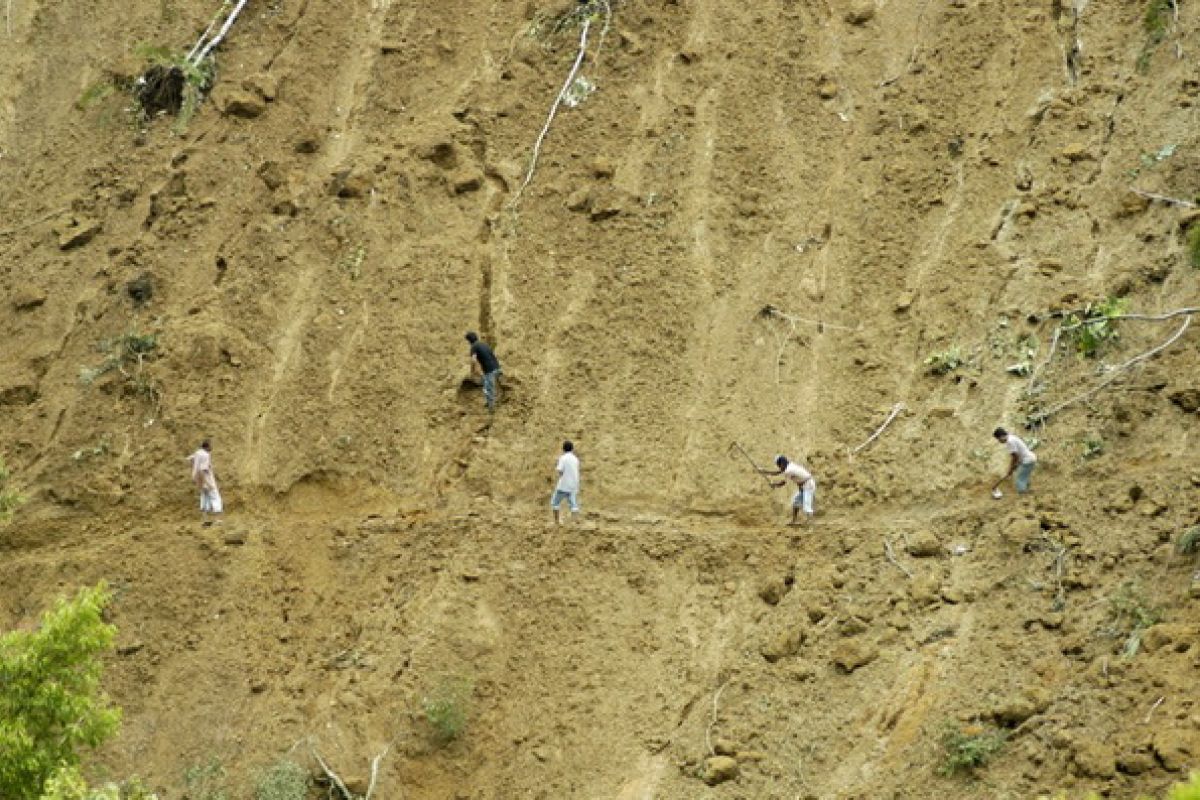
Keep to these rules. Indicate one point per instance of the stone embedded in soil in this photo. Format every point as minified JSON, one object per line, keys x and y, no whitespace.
{"x":27,"y":298}
{"x":724,"y":747}
{"x":800,"y":671}
{"x":351,"y":184}
{"x":923,"y":544}
{"x":827,"y":90}
{"x":773,"y":590}
{"x":234,"y":537}
{"x":580,"y":199}
{"x":1175,"y":748}
{"x":602,"y":168}
{"x":1188,"y":400}
{"x":785,"y":643}
{"x":1076,"y":151}
{"x":851,"y":654}
{"x":242,"y":104}
{"x":719,"y":769}
{"x":1017,"y":709}
{"x":861,"y":12}
{"x":1093,"y":759}
{"x":272,"y":175}
{"x":1188,"y":218}
{"x":83,"y":232}
{"x":1136,"y":763}
{"x":466,"y":180}
{"x":1179,"y":636}
{"x":925,"y":589}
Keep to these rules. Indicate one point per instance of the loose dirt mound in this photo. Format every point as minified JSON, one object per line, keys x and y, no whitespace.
{"x":895,"y":180}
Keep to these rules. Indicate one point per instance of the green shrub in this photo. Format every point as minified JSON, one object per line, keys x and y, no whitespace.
{"x":1189,"y":541}
{"x":1192,"y":237}
{"x":1093,"y":446}
{"x":446,"y":708}
{"x":945,"y":362}
{"x":286,"y":780}
{"x":1131,"y":615}
{"x":172,"y":84}
{"x":969,"y":748}
{"x":10,"y":498}
{"x":51,"y":705}
{"x":206,"y":781}
{"x":1156,"y":20}
{"x":1180,"y":791}
{"x":1095,"y":329}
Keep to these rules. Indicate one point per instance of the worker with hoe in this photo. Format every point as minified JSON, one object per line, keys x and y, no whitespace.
{"x":484,"y":362}
{"x":1021,"y":460}
{"x":806,"y":487}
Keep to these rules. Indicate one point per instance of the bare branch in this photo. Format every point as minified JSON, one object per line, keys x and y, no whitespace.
{"x":896,"y":411}
{"x":1150,"y":713}
{"x":333,"y":776}
{"x":1049,"y":357}
{"x":216,"y":40}
{"x":912,"y":57}
{"x":1162,"y":198}
{"x":375,"y":772}
{"x":713,"y":721}
{"x":562,"y":93}
{"x":1179,"y":312}
{"x":891,"y":556}
{"x":1115,"y":373}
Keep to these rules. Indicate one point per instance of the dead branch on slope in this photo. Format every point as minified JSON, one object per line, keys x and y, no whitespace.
{"x":891,"y":556}
{"x":713,"y":721}
{"x":912,"y":57}
{"x":896,"y":411}
{"x":336,"y":782}
{"x":1162,"y":198}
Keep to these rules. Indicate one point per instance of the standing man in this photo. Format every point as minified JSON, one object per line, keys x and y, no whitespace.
{"x":567,"y":487}
{"x":806,"y":487}
{"x":484,"y":361}
{"x":1021,"y":459}
{"x":206,"y":481}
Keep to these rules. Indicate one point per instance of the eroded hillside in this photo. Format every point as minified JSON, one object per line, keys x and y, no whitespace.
{"x":759,"y":227}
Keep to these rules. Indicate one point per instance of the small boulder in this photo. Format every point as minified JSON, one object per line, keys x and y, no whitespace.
{"x":719,"y":769}
{"x":1174,"y":748}
{"x":466,"y":180}
{"x":27,"y":298}
{"x":827,"y":90}
{"x":79,"y":234}
{"x":774,"y":590}
{"x":242,"y":104}
{"x":580,"y":199}
{"x":234,"y":537}
{"x":860,"y":12}
{"x":724,"y":747}
{"x":852,"y":654}
{"x":1094,"y":759}
{"x":923,"y":544}
{"x":785,"y":643}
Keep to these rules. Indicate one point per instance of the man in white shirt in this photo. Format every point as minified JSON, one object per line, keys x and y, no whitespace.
{"x":806,"y":487}
{"x":568,"y":483}
{"x":206,"y":481}
{"x":1021,"y":459}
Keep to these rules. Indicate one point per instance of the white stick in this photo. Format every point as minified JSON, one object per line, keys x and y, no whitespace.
{"x":216,"y":40}
{"x":1179,"y":312}
{"x":896,"y":410}
{"x":374,"y":773}
{"x":708,"y":730}
{"x":333,"y":777}
{"x":1150,"y":713}
{"x":204,"y":36}
{"x":891,"y":556}
{"x":537,"y":146}
{"x":1116,"y":373}
{"x":1162,"y":198}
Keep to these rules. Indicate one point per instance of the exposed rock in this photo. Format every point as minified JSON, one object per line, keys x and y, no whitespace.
{"x":1076,"y":151}
{"x":827,"y":90}
{"x":923,"y":544}
{"x":1136,"y":763}
{"x":602,"y":168}
{"x":242,"y":104}
{"x":20,"y":393}
{"x":925,"y":589}
{"x":308,"y":142}
{"x":1188,"y":218}
{"x":444,"y":154}
{"x":272,"y":175}
{"x":1179,"y":636}
{"x":264,"y":84}
{"x":580,"y":199}
{"x":719,"y":769}
{"x":785,"y":643}
{"x":351,"y":184}
{"x":1132,"y":204}
{"x":850,"y":654}
{"x":605,"y":206}
{"x":853,"y":627}
{"x":82,"y":232}
{"x":466,"y":180}
{"x":1015,"y":710}
{"x":1188,"y":400}
{"x":234,"y":537}
{"x":861,"y":12}
{"x":774,"y":590}
{"x":903,"y":302}
{"x":1093,"y":759}
{"x":724,"y":747}
{"x":130,"y":648}
{"x":800,"y":671}
{"x":1174,"y":748}
{"x":27,"y":298}
{"x":140,"y":289}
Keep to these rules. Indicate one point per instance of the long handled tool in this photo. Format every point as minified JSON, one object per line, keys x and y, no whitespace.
{"x":742,"y":450}
{"x":996,"y":493}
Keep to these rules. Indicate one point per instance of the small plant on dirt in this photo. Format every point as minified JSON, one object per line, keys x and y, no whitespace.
{"x":1188,"y":542}
{"x":1093,"y":447}
{"x":10,"y":498}
{"x":1192,"y":240}
{"x":945,"y":362}
{"x":1131,"y":614}
{"x":1180,"y":791}
{"x":353,"y":260}
{"x":446,"y":708}
{"x":1157,"y":19}
{"x":969,"y":748}
{"x":206,"y":781}
{"x":1095,"y":329}
{"x":128,"y":354}
{"x":286,"y":780}
{"x":173,"y":83}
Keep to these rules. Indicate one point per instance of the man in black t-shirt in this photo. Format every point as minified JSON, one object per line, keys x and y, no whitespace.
{"x":484,"y":361}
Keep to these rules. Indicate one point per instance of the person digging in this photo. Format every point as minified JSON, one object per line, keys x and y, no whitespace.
{"x":1021,"y":461}
{"x":806,"y":487}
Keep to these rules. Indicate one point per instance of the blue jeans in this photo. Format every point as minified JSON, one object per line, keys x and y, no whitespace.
{"x":489,"y":388}
{"x":1022,"y":477}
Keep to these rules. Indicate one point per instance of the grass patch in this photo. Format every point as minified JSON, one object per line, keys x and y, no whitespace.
{"x":207,"y":781}
{"x":1099,"y":331}
{"x":1192,"y":239}
{"x":1157,"y":20}
{"x":969,"y":748}
{"x":1188,"y":542}
{"x":945,"y":362}
{"x":285,"y":780}
{"x":447,"y":708}
{"x":10,"y":498}
{"x":171,"y":84}
{"x":1132,"y":614}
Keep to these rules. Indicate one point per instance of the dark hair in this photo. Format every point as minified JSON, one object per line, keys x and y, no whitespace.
{"x":472,"y":337}
{"x":781,"y":461}
{"x":999,"y":432}
{"x":567,"y":446}
{"x":206,"y":445}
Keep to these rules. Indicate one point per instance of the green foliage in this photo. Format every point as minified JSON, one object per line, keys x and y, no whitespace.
{"x":1093,"y":446}
{"x":1156,"y":19}
{"x":10,"y":498}
{"x":128,"y":354}
{"x":447,"y":707}
{"x":969,"y":748}
{"x":945,"y":362}
{"x":172,"y":83}
{"x":286,"y":780}
{"x":96,"y":93}
{"x":1180,"y":791}
{"x":1192,"y":240}
{"x":206,"y":781}
{"x":1189,"y":541}
{"x":1131,"y":615}
{"x":68,"y":784}
{"x":1095,"y":329}
{"x":353,"y":260}
{"x":51,"y":705}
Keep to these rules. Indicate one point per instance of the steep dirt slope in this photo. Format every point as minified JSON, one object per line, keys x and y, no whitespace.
{"x":895,"y":179}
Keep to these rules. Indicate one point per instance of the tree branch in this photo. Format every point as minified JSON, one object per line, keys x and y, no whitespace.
{"x":896,"y":411}
{"x":1162,"y":198}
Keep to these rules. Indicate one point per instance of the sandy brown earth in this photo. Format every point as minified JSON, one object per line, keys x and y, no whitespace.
{"x":758,"y":227}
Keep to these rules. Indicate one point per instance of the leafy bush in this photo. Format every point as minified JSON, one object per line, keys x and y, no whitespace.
{"x":1093,"y":446}
{"x":446,"y":708}
{"x":51,"y":705}
{"x":969,"y":748}
{"x":1193,"y":244}
{"x":1131,"y":615}
{"x":1189,"y":541}
{"x":206,"y":781}
{"x":1156,"y":20}
{"x":10,"y":498}
{"x":172,"y":83}
{"x":945,"y":362}
{"x":1180,"y":791}
{"x":286,"y":780}
{"x":1095,"y":329}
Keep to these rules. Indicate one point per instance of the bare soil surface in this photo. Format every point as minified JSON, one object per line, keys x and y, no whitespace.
{"x":758,"y":227}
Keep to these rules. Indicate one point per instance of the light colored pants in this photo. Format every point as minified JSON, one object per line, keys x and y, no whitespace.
{"x":804,"y":497}
{"x":490,"y":380}
{"x":210,"y":501}
{"x":1022,"y":477}
{"x":572,"y":499}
